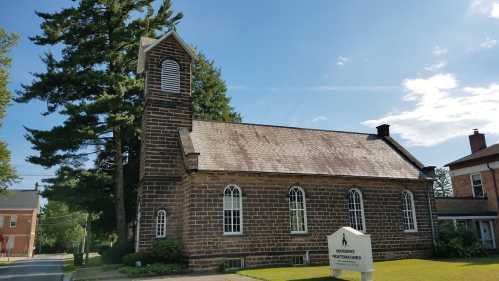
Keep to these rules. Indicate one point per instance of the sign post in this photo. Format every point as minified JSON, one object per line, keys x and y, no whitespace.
{"x":350,"y":249}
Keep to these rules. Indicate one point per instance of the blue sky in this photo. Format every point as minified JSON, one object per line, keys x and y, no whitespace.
{"x":428,"y":68}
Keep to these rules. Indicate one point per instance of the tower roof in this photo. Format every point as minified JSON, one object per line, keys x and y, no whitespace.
{"x":147,"y":43}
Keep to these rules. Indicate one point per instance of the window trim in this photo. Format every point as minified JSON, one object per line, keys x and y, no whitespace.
{"x":413,"y":210}
{"x":305,"y":231}
{"x":177,"y":68}
{"x":473,"y":186}
{"x":233,"y":233}
{"x":13,"y":219}
{"x":163,"y":224}
{"x":364,"y":230}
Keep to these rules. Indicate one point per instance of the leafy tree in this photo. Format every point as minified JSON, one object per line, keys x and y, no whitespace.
{"x":94,"y":85}
{"x":60,"y":229}
{"x":7,"y":41}
{"x":442,"y":186}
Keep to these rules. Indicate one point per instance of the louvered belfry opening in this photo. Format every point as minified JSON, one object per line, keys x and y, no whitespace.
{"x":170,"y":76}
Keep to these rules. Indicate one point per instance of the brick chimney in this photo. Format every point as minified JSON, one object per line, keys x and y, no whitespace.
{"x":477,"y":141}
{"x":383,"y":130}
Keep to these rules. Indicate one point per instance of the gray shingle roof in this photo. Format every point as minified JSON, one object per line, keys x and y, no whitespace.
{"x":263,"y":148}
{"x":486,"y":152}
{"x":19,"y":199}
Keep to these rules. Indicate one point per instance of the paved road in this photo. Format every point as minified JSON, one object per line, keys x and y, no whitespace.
{"x":40,"y":268}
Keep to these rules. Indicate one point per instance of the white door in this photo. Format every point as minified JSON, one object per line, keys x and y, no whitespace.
{"x":486,"y":235}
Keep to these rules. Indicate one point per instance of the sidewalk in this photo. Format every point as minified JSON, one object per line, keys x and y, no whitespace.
{"x":111,"y":274}
{"x":193,"y":277}
{"x":105,"y":272}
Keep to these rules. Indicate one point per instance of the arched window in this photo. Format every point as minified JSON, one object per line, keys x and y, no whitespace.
{"x":297,"y":210}
{"x":233,"y":219}
{"x":408,"y":212}
{"x":356,"y":210}
{"x":161,"y":224}
{"x":170,"y":76}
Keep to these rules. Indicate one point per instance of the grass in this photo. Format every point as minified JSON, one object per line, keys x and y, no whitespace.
{"x":473,"y":269}
{"x":94,"y":259}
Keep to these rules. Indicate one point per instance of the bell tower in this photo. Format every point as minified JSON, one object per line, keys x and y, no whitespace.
{"x":166,"y":65}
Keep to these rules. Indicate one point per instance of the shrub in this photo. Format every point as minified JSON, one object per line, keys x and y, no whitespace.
{"x":114,"y":255}
{"x":457,"y":242}
{"x":155,"y":269}
{"x":132,"y":258}
{"x":167,"y":251}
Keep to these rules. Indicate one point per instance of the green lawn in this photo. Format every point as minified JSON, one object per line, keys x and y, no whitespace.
{"x":474,"y":269}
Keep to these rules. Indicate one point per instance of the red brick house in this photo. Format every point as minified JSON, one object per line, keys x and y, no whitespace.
{"x":248,"y":195}
{"x":18,"y":217}
{"x":475,"y":182}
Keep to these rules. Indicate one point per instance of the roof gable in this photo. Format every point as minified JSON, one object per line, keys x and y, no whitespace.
{"x":485,"y":154}
{"x":147,"y":43}
{"x":262,"y":148}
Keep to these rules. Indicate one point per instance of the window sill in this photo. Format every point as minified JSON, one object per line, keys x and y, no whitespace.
{"x":233,"y":234}
{"x":301,"y":233}
{"x":411,"y":231}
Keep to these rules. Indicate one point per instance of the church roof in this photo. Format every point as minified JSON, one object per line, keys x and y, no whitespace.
{"x":222,"y":146}
{"x":19,"y":199}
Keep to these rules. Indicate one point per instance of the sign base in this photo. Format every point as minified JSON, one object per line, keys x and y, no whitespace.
{"x":364,"y":276}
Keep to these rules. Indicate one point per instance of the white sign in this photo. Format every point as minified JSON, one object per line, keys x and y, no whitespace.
{"x":350,"y":249}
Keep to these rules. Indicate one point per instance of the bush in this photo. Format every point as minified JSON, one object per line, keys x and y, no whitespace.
{"x":155,"y":269}
{"x":114,"y":255}
{"x":167,"y":251}
{"x":132,"y":258}
{"x":457,"y":242}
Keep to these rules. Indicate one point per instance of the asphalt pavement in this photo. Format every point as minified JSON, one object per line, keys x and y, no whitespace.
{"x":39,"y":268}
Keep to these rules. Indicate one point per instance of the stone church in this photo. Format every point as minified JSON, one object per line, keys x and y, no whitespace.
{"x":247,"y":195}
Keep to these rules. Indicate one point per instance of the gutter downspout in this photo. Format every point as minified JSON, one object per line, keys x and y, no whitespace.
{"x":495,"y":184}
{"x":430,"y":211}
{"x":429,"y":171}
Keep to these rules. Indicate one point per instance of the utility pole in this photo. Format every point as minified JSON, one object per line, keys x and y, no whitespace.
{"x":83,"y":244}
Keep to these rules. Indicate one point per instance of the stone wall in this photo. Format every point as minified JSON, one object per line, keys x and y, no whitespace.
{"x":266,"y":237}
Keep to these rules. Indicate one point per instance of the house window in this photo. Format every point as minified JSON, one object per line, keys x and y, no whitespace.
{"x":170,"y":76}
{"x":408,"y":212}
{"x":232,"y":210}
{"x":297,"y":210}
{"x":13,"y":222}
{"x":1,"y":221}
{"x":161,"y":224}
{"x":476,"y":183}
{"x":356,"y":210}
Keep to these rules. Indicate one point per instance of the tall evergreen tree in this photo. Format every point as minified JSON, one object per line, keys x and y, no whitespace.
{"x":209,"y":93}
{"x":7,"y":41}
{"x":442,"y":186}
{"x":94,"y":85}
{"x":91,"y":189}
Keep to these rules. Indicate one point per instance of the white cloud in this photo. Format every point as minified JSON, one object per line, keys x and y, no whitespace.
{"x":436,"y":66}
{"x":488,"y":43}
{"x":485,"y":7}
{"x":441,"y":110}
{"x":494,"y":12}
{"x":319,"y":118}
{"x":341,"y":61}
{"x":439,"y":51}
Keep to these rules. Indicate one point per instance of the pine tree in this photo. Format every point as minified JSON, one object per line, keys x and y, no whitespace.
{"x":94,"y":84}
{"x":209,"y":93}
{"x":7,"y":172}
{"x":442,"y":186}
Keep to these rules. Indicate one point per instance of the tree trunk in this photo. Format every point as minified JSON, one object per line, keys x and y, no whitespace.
{"x":119,"y":190}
